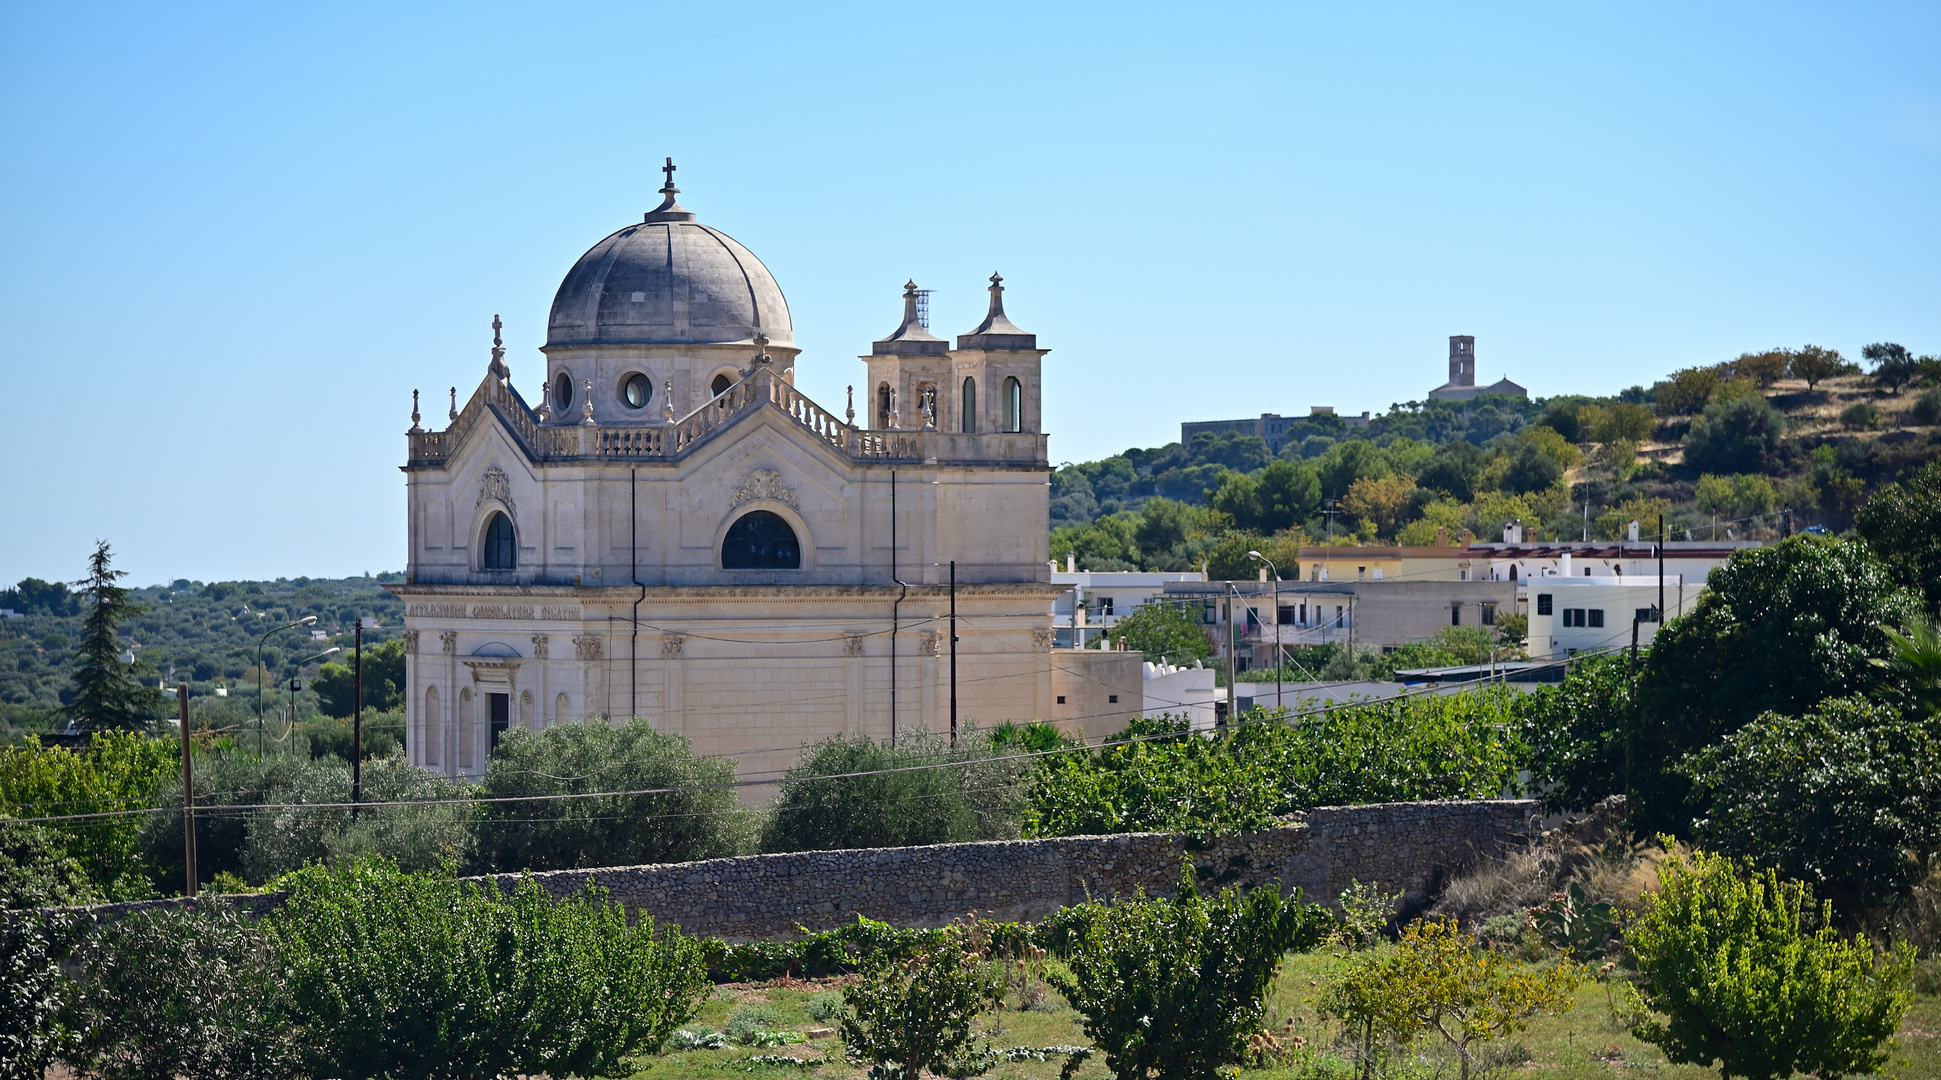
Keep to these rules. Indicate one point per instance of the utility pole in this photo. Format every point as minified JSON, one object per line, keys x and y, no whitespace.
{"x":1232,"y":698}
{"x":357,"y":721}
{"x":1661,"y":571}
{"x":953,"y":652}
{"x":188,"y":787}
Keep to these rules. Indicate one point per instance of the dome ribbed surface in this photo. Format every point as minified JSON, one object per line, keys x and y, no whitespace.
{"x":668,"y":283}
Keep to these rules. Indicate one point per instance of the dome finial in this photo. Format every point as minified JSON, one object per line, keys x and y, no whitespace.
{"x":498,"y":366}
{"x":668,"y":210}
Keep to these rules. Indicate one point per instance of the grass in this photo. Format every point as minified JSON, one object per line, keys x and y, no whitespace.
{"x":1582,"y":1044}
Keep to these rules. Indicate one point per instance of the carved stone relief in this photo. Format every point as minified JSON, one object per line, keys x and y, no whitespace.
{"x":542,"y":646}
{"x":672,"y":646}
{"x":927,"y":643}
{"x":1041,"y":640}
{"x":766,"y":484}
{"x":411,"y":642}
{"x":448,"y":640}
{"x":587,"y":648}
{"x":852,"y":645}
{"x":496,"y":485}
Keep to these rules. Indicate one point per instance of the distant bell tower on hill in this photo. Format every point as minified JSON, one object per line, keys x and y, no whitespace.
{"x":1462,"y":375}
{"x":1462,"y":360}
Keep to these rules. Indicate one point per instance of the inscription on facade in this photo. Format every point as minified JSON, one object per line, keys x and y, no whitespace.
{"x":501,"y":611}
{"x":435,"y":611}
{"x":559,"y":614}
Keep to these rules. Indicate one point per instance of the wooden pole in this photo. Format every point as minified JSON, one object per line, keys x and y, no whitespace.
{"x":188,"y":787}
{"x":953,"y":652}
{"x":357,"y":726}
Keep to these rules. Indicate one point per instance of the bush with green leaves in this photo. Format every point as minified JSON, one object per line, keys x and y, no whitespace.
{"x":1163,"y":632}
{"x":1737,"y":435}
{"x":36,"y":1015}
{"x":1577,"y":733}
{"x":1156,"y":776}
{"x":905,"y":1016}
{"x":36,"y":870}
{"x":748,"y":1023}
{"x":1170,"y":988}
{"x":191,"y":992}
{"x":1779,"y":629}
{"x":1902,"y":523}
{"x":920,"y":791}
{"x":1746,"y":972}
{"x":427,"y":976}
{"x":1846,"y":797}
{"x":118,"y":770}
{"x":703,"y":821}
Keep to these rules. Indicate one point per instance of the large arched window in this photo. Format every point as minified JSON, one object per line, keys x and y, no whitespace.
{"x":761,"y":541}
{"x":501,"y":549}
{"x":970,"y":405}
{"x":882,"y":406}
{"x":1013,"y":405}
{"x":720,"y":385}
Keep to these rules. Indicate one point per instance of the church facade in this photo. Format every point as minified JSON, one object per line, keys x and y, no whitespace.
{"x":676,"y":533}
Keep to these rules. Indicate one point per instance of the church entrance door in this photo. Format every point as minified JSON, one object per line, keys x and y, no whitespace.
{"x":500,"y":706}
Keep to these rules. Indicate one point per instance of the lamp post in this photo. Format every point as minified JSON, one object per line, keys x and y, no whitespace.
{"x":291,"y":697}
{"x":305,"y":621}
{"x":1280,"y":659}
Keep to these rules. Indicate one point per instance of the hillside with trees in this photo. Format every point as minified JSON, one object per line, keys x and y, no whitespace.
{"x":1721,"y":452}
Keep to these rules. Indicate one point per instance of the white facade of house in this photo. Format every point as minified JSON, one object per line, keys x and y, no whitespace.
{"x":1570,"y":615}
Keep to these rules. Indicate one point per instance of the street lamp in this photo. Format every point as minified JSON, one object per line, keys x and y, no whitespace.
{"x":1280,"y":658}
{"x":305,"y":621}
{"x":291,"y":698}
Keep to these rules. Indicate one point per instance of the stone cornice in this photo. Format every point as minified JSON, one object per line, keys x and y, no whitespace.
{"x":626,"y":594}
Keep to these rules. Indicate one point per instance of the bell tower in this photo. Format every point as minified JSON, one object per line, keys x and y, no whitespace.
{"x":1462,"y":360}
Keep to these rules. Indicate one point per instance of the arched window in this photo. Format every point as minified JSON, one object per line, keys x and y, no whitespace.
{"x":501,"y":550}
{"x":720,"y":385}
{"x":970,"y":405}
{"x":761,"y":541}
{"x":1013,"y":405}
{"x":882,"y":406}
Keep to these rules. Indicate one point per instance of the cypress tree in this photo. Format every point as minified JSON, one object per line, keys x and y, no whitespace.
{"x":107,"y":690}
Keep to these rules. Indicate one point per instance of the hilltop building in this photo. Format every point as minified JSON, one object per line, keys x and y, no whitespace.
{"x":1462,"y":375}
{"x":676,"y":532}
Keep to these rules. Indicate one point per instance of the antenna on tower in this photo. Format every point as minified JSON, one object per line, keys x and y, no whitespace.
{"x":923,"y":308}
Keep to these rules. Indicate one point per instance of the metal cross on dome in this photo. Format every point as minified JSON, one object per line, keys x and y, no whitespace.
{"x":669,"y":170}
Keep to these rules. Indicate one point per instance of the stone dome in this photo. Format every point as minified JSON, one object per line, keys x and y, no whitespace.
{"x":669,"y":280}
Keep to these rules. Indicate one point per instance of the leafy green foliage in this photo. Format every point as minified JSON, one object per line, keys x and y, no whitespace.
{"x":107,"y":693}
{"x":827,"y":952}
{"x":36,"y":1022}
{"x":1902,"y":523}
{"x":1746,"y":973}
{"x":1438,"y":979}
{"x":36,"y":870}
{"x":943,"y":796}
{"x":336,"y":684}
{"x":1577,"y":734}
{"x":1814,"y":364}
{"x":1894,"y":366}
{"x":1171,"y":988}
{"x":1570,"y":920}
{"x":1163,"y":632}
{"x":411,"y":976}
{"x":1846,"y":796}
{"x":703,"y":822}
{"x":1155,"y":776}
{"x":189,"y":992}
{"x":906,"y":1016}
{"x":1778,"y":629}
{"x":119,"y":770}
{"x":1366,"y":911}
{"x":1737,"y":435}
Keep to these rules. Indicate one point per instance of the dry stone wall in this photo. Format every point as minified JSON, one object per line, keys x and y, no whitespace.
{"x":1404,"y":847}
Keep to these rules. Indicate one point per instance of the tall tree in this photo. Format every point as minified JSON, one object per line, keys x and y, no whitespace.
{"x":1813,"y":363}
{"x":1902,"y":523}
{"x":1894,"y":366}
{"x":107,"y":690}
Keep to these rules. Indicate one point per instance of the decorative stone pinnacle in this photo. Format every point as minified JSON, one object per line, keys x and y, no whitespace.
{"x":851,"y":411}
{"x":453,"y":414}
{"x":545,"y":410}
{"x":415,"y":429}
{"x":667,"y":400}
{"x":586,"y":405}
{"x":894,"y":423}
{"x":761,"y":357}
{"x":498,"y":366}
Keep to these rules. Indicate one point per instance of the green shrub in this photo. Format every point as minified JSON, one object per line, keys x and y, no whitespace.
{"x":966,"y":796}
{"x":1860,"y":416}
{"x":704,"y":822}
{"x":190,"y":992}
{"x":35,"y":994}
{"x":1737,"y":435}
{"x":907,"y":1016}
{"x":1171,"y":988}
{"x":119,"y":770}
{"x":1926,"y":410}
{"x":423,"y":976}
{"x":1748,"y":974}
{"x":749,"y":1021}
{"x":37,"y":871}
{"x":826,"y":1006}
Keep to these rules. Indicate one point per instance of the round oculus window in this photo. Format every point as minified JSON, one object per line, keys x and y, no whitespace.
{"x":637,"y":391}
{"x":562,"y":391}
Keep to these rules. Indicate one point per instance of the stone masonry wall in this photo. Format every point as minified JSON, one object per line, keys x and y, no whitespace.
{"x":1402,"y":846}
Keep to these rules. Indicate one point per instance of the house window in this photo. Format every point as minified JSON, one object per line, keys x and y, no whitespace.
{"x":1378,"y":574}
{"x":1286,"y":615}
{"x":1210,"y":614}
{"x":501,"y":710}
{"x":1105,"y":605}
{"x":1339,"y":622}
{"x":1013,"y":405}
{"x":761,"y":541}
{"x":1597,"y":616}
{"x":970,"y":405}
{"x":1455,"y":614}
{"x":1574,"y":616}
{"x":1543,"y":603}
{"x":1061,"y":699}
{"x":1112,"y":699}
{"x":501,"y":548}
{"x":1512,"y":571}
{"x":1489,"y":614}
{"x":1647,"y":614}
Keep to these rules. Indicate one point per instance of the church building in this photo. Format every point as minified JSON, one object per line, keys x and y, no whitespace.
{"x":677,"y":533}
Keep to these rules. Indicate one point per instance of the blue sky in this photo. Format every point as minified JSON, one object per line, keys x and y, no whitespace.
{"x":233,"y":239}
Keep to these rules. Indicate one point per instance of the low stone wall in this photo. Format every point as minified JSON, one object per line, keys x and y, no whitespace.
{"x":1404,"y":847}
